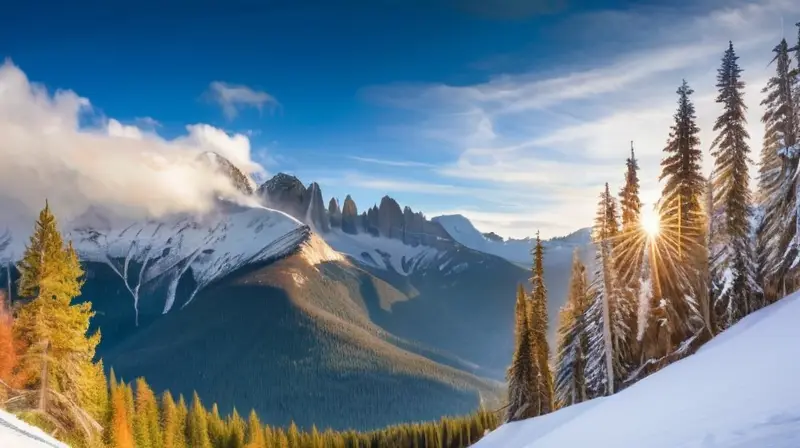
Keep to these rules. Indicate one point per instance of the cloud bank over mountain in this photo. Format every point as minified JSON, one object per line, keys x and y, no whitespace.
{"x":47,"y":151}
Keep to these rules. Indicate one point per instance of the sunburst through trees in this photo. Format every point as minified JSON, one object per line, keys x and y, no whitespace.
{"x":679,"y":271}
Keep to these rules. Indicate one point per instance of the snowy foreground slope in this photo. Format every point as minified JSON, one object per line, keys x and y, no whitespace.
{"x":18,"y":434}
{"x":740,"y":390}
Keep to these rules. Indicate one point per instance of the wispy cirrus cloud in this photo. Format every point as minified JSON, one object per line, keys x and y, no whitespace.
{"x":562,"y":131}
{"x":233,"y":97}
{"x":394,"y":163}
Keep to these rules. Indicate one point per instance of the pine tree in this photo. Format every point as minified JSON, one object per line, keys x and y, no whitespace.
{"x":269,"y":437}
{"x":605,"y":316}
{"x":255,"y":432}
{"x":537,"y":320}
{"x":217,"y":432}
{"x":8,"y":354}
{"x":629,"y":194}
{"x":173,"y":421}
{"x":316,"y":438}
{"x":197,"y":425}
{"x":683,"y":228}
{"x":570,"y":383}
{"x":293,"y":435}
{"x":281,"y":440}
{"x":777,"y":183}
{"x":120,"y":432}
{"x":630,"y":242}
{"x":57,"y":353}
{"x":236,"y":430}
{"x":147,"y":427}
{"x":731,"y":258}
{"x":522,"y":381}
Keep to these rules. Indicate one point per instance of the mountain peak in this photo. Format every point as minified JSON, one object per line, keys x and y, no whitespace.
{"x":221,"y":164}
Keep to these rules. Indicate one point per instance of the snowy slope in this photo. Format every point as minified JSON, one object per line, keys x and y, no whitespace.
{"x":382,"y":252}
{"x":212,"y":245}
{"x":516,"y":251}
{"x":739,"y":390}
{"x":14,"y":433}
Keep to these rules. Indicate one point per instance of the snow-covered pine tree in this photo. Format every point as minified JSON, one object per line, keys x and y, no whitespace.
{"x":605,"y":317}
{"x":731,"y":257}
{"x":777,"y":183}
{"x":682,"y":239}
{"x":521,"y":377}
{"x":570,"y":383}
{"x":629,"y":246}
{"x":629,"y":194}
{"x":537,"y":320}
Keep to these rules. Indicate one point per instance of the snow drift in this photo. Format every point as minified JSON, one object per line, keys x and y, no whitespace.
{"x":739,"y":390}
{"x":18,"y":434}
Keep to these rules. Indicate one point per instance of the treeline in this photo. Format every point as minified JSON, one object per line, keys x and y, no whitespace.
{"x":142,"y":421}
{"x":49,"y":378}
{"x":667,"y":280}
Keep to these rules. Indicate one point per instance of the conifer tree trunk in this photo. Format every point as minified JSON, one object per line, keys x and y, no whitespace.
{"x":43,"y":378}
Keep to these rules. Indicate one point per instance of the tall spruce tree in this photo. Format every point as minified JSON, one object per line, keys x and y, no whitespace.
{"x":629,"y":248}
{"x":630,"y":241}
{"x":605,"y":316}
{"x":57,"y":351}
{"x":537,"y":321}
{"x":197,"y":425}
{"x":521,"y":375}
{"x":120,"y":432}
{"x":147,"y":427}
{"x":573,"y":344}
{"x":733,"y":269}
{"x":777,"y":182}
{"x":629,"y":200}
{"x":684,"y":300}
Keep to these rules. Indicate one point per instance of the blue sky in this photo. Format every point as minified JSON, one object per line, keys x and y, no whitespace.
{"x":513,"y":115}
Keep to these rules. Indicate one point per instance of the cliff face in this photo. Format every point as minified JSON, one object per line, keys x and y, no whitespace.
{"x":350,"y":219}
{"x":287,"y":194}
{"x":334,"y":213}
{"x":387,"y":219}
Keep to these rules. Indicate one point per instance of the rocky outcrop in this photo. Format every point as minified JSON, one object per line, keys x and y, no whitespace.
{"x":350,"y":218}
{"x":287,"y":194}
{"x":388,"y":220}
{"x":334,"y":213}
{"x":224,"y":166}
{"x":491,"y":236}
{"x":316,"y":214}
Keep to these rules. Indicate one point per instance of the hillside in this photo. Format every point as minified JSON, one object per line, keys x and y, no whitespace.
{"x":444,"y":265}
{"x":293,"y":340}
{"x":738,"y":390}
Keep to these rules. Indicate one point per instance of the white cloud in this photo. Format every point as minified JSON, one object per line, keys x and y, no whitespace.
{"x":395,"y":163}
{"x":232,"y":97}
{"x":561,"y":135}
{"x":123,"y":168}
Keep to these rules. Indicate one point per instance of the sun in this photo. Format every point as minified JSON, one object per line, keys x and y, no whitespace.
{"x":650,"y":222}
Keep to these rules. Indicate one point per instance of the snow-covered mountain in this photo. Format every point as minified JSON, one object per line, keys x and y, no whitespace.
{"x":517,"y":251}
{"x":739,"y":390}
{"x":208,"y":247}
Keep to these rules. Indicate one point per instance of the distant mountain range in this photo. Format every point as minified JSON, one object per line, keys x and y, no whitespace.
{"x":307,"y":312}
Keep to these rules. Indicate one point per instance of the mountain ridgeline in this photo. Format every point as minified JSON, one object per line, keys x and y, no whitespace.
{"x":288,"y":194}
